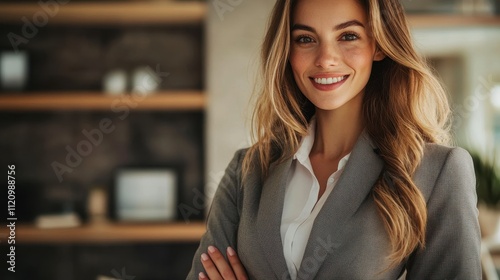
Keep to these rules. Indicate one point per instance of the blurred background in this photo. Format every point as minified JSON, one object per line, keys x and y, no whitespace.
{"x":119,"y":118}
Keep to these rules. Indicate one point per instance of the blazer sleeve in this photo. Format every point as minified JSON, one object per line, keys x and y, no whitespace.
{"x":453,"y":240}
{"x":223,"y":218}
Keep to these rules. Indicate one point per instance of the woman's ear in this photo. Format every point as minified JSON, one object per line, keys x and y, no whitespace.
{"x":379,"y":54}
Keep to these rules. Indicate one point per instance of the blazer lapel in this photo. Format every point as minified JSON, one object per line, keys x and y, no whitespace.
{"x":269,"y":217}
{"x":360,"y":174}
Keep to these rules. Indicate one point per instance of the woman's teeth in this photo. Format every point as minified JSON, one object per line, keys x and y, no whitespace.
{"x":329,"y":81}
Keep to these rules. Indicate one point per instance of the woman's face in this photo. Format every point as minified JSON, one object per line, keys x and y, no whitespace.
{"x":331,"y":51}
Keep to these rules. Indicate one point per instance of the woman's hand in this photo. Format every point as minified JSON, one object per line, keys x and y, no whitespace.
{"x":218,"y":268}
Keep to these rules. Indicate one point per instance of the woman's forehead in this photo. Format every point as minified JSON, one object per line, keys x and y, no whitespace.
{"x":327,"y":12}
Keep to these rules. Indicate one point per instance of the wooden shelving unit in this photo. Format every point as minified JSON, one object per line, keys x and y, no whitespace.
{"x":111,"y":233}
{"x":168,"y":100}
{"x":115,"y":13}
{"x":181,"y":12}
{"x":439,"y":21}
{"x":147,"y":14}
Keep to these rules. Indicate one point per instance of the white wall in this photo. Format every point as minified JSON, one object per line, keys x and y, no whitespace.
{"x":234,"y":35}
{"x":479,"y":49}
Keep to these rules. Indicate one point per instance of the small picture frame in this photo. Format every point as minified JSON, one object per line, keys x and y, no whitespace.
{"x":145,"y":194}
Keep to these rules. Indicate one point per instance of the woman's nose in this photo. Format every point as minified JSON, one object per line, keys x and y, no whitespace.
{"x":328,"y":55}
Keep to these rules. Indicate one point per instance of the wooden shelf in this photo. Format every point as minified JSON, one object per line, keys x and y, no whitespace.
{"x":174,"y":100}
{"x":114,"y":13}
{"x":168,"y":12}
{"x":112,"y":233}
{"x":439,"y":21}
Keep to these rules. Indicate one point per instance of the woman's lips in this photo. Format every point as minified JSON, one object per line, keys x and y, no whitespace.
{"x":328,"y":83}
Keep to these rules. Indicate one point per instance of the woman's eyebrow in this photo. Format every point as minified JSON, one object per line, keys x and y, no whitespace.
{"x":344,"y":25}
{"x":348,"y":24}
{"x":298,"y":26}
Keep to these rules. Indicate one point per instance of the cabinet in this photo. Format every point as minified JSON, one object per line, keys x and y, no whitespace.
{"x":165,"y":127}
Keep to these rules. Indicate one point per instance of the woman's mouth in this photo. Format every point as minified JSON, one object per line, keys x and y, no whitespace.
{"x":328,"y":83}
{"x":330,"y":80}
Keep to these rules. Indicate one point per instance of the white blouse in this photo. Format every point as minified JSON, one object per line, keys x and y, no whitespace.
{"x":301,"y":204}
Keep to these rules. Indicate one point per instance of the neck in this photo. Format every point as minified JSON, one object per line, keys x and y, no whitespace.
{"x":337,"y":130}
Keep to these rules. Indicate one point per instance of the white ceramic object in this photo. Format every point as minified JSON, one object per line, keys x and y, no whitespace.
{"x":13,"y":70}
{"x":145,"y":80}
{"x":115,"y":82}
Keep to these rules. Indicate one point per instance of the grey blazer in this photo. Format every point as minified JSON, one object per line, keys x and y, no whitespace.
{"x":348,"y":239}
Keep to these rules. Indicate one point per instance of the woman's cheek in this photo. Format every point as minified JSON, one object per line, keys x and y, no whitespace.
{"x":299,"y":62}
{"x":352,"y":50}
{"x":299,"y":54}
{"x":357,"y":56}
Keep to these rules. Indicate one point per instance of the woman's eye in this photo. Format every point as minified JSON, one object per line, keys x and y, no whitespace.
{"x":304,"y":40}
{"x":349,"y":37}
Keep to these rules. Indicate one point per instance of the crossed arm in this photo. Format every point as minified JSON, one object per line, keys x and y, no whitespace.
{"x":224,"y":207}
{"x":218,"y":268}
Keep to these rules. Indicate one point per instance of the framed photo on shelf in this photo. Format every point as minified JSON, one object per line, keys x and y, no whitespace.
{"x":145,"y":194}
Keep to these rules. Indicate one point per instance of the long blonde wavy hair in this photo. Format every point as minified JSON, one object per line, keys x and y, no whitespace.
{"x":404,"y":108}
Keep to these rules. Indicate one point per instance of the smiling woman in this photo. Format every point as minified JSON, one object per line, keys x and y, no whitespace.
{"x":325,"y":59}
{"x":350,"y":176}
